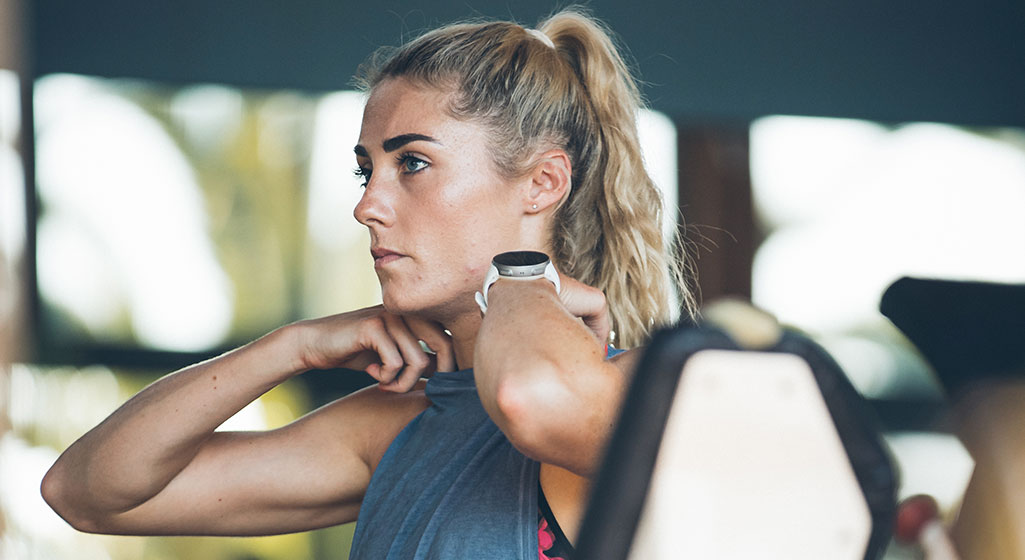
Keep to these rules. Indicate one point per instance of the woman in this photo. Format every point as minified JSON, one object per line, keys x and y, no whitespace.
{"x":477,"y":139}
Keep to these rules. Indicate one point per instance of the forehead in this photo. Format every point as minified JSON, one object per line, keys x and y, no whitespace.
{"x":398,"y":106}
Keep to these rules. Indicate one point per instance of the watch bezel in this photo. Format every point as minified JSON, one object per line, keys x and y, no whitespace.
{"x":521,"y":264}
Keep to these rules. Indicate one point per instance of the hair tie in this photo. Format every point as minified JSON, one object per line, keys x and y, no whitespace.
{"x":540,"y":36}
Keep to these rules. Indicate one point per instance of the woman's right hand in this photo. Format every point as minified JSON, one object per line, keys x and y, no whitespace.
{"x":383,"y":344}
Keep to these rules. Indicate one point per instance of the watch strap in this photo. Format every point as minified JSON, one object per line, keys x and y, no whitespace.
{"x":493,"y":275}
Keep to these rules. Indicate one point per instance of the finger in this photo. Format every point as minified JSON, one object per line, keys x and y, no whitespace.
{"x":377,"y":338}
{"x":439,"y":341}
{"x":417,"y":362}
{"x":599,"y":322}
{"x":361,"y":360}
{"x":404,"y":382}
{"x":589,"y":304}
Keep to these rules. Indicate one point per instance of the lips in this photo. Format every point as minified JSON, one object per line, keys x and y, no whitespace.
{"x":384,"y":256}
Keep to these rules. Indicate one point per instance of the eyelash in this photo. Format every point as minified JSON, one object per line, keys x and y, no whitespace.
{"x":403,"y":160}
{"x":362,"y":173}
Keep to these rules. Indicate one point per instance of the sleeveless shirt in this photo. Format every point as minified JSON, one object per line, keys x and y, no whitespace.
{"x":451,"y":485}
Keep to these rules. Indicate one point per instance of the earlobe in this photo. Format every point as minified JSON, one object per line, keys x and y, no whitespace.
{"x":551,"y":181}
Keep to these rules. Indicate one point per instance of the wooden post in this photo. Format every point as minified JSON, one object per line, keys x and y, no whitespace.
{"x":715,"y":204}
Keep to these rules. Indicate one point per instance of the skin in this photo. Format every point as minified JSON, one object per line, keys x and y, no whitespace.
{"x":434,"y":217}
{"x":437,"y":211}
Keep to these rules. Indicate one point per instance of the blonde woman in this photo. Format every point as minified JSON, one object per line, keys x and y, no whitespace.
{"x":477,"y":139}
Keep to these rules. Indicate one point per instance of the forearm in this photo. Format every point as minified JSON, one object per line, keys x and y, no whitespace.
{"x":543,"y":377}
{"x":142,"y":446}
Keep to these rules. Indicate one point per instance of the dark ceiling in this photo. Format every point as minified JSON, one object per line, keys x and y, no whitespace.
{"x":702,"y":60}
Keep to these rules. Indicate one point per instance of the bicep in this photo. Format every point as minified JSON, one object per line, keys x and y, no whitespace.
{"x":309,"y":474}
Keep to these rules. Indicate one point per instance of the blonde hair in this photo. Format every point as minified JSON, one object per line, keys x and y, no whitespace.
{"x":573,"y":91}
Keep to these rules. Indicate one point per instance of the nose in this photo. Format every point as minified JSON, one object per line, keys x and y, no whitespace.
{"x":373,"y":208}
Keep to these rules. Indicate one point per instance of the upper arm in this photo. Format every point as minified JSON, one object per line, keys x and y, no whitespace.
{"x":567,"y":491}
{"x":311,"y":473}
{"x":563,"y":414}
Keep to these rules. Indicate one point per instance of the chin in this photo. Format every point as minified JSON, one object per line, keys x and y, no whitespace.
{"x":435,"y":307}
{"x":393,"y":303}
{"x":403,"y":301}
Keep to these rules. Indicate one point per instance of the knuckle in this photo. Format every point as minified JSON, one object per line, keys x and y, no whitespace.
{"x":405,"y":383}
{"x":414,"y":361}
{"x":373,"y":324}
{"x":420,"y":361}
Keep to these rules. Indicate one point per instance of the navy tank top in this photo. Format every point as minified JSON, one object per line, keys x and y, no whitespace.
{"x":450,"y":485}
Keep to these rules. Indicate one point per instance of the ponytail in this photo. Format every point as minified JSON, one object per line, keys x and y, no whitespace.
{"x":572,"y":91}
{"x":628,"y":256}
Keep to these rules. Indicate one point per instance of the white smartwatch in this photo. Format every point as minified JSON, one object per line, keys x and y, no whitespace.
{"x":517,"y":265}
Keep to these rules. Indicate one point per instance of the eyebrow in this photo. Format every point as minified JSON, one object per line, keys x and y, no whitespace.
{"x":392,"y":144}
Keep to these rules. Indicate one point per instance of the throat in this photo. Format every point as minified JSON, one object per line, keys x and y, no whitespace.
{"x":464,"y":337}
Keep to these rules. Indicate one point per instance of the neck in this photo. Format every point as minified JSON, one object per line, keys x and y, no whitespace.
{"x":464,"y":337}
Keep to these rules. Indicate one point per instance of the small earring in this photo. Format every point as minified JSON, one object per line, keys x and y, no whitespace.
{"x":534,"y":207}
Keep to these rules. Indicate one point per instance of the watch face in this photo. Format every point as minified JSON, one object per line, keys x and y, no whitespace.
{"x":521,"y":263}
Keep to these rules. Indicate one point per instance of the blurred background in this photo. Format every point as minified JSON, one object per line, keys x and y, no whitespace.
{"x":176,"y":180}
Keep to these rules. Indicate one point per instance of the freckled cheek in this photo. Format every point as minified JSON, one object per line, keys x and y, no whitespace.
{"x":463,"y":251}
{"x":460,"y":245}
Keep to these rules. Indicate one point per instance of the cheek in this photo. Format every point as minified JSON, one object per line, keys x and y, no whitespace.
{"x":470,"y":219}
{"x":473,"y":223}
{"x":475,"y":271}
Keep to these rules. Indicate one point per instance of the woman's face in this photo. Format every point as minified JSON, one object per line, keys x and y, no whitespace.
{"x":435,"y":205}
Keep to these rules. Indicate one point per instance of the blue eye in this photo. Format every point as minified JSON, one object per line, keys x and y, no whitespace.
{"x":411,"y":164}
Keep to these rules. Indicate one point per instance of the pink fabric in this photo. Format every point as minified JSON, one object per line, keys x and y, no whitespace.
{"x":545,"y":540}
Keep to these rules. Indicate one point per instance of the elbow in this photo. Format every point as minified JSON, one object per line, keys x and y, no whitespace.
{"x":51,"y":489}
{"x":54,"y":491}
{"x":54,"y":494}
{"x":551,"y":421}
{"x":524,"y":407}
{"x":514,"y":412}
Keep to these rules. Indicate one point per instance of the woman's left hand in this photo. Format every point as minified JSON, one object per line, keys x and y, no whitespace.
{"x":588,"y":304}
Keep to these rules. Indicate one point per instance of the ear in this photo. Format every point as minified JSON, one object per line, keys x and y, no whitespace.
{"x":551,"y":180}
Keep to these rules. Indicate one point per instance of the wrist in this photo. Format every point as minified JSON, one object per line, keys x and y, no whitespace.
{"x":508,"y":293}
{"x":293,"y":343}
{"x":517,"y":265}
{"x":521,"y":285}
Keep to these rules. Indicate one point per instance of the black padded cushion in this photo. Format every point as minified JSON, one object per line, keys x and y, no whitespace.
{"x":967,"y":331}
